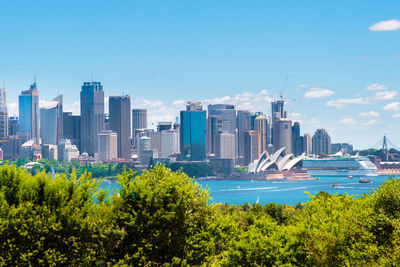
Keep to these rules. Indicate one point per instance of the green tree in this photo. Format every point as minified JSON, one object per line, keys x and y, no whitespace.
{"x":164,"y":215}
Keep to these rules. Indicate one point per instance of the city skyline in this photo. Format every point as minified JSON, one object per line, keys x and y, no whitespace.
{"x":343,"y":70}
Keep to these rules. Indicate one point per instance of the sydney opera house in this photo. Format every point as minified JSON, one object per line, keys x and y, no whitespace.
{"x":278,"y":166}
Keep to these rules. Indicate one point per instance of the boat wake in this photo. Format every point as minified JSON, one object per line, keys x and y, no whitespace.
{"x":247,"y":189}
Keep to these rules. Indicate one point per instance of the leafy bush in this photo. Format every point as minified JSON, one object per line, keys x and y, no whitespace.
{"x":163,"y":218}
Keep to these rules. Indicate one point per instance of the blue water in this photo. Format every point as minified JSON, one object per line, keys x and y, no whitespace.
{"x":289,"y":192}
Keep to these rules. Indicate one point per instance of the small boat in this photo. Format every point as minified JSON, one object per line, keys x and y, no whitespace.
{"x":335,"y":184}
{"x":350,"y":177}
{"x":364,"y":181}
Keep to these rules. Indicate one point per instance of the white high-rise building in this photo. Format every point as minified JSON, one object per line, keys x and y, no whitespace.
{"x":169,"y":142}
{"x":51,"y":120}
{"x":107,"y":146}
{"x":226,"y":146}
{"x":3,"y":115}
{"x":307,"y":144}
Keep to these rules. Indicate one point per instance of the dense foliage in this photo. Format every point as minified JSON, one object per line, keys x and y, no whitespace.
{"x":164,"y":218}
{"x":97,"y":169}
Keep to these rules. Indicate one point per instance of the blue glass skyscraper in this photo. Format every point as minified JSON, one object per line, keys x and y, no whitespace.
{"x":29,"y":114}
{"x":193,"y":132}
{"x":92,"y":116}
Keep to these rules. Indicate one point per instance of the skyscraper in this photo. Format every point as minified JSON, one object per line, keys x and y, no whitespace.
{"x":243,"y":125}
{"x":261,"y":126}
{"x":297,"y":146}
{"x":228,"y":116}
{"x":3,"y":115}
{"x":307,"y":144}
{"x":29,"y":114}
{"x":51,"y":121}
{"x":72,"y":128}
{"x":169,"y":142}
{"x":321,"y":142}
{"x":251,"y":146}
{"x":92,"y":116}
{"x":214,"y":126}
{"x":107,"y":146}
{"x":120,"y":123}
{"x":193,"y":132}
{"x":139,"y":119}
{"x":226,"y":146}
{"x":277,"y":110}
{"x":282,"y":131}
{"x":227,"y":113}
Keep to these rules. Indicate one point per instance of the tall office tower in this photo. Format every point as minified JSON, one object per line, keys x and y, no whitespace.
{"x":164,"y":126}
{"x":282,"y":130}
{"x":253,"y":117}
{"x":146,"y":154}
{"x":170,"y":143}
{"x":139,"y":119}
{"x":72,"y":128}
{"x":251,"y":152}
{"x":228,"y":117}
{"x":120,"y":123}
{"x":297,"y":145}
{"x":51,"y":121}
{"x":156,"y":143}
{"x":13,"y":126}
{"x":225,"y":146}
{"x":243,"y":123}
{"x":107,"y":146}
{"x":321,"y":142}
{"x":214,"y":126}
{"x":193,"y":132}
{"x":92,"y":116}
{"x":29,"y":114}
{"x":307,"y":144}
{"x":261,"y":126}
{"x":3,"y":115}
{"x":277,"y":111}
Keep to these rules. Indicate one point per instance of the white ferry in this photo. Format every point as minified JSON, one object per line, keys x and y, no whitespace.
{"x":340,"y":166}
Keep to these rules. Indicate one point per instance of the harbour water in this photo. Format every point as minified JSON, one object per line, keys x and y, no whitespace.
{"x":289,"y":192}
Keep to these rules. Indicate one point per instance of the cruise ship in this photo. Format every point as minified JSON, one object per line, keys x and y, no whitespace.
{"x":340,"y":166}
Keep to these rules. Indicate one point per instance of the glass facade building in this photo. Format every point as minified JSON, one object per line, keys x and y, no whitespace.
{"x":120,"y":123}
{"x":29,"y":114}
{"x":3,"y":115}
{"x":92,"y":116}
{"x":193,"y":133}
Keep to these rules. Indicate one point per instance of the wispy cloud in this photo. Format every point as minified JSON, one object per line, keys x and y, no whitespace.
{"x":392,"y":106}
{"x":369,"y":114}
{"x":386,"y":95}
{"x":342,"y":103}
{"x":396,"y":115}
{"x":318,"y":92}
{"x":347,"y":121}
{"x":375,"y":87}
{"x":386,"y":25}
{"x":378,"y":96}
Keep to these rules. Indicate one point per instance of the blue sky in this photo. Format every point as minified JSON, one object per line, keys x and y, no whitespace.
{"x":163,"y":53}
